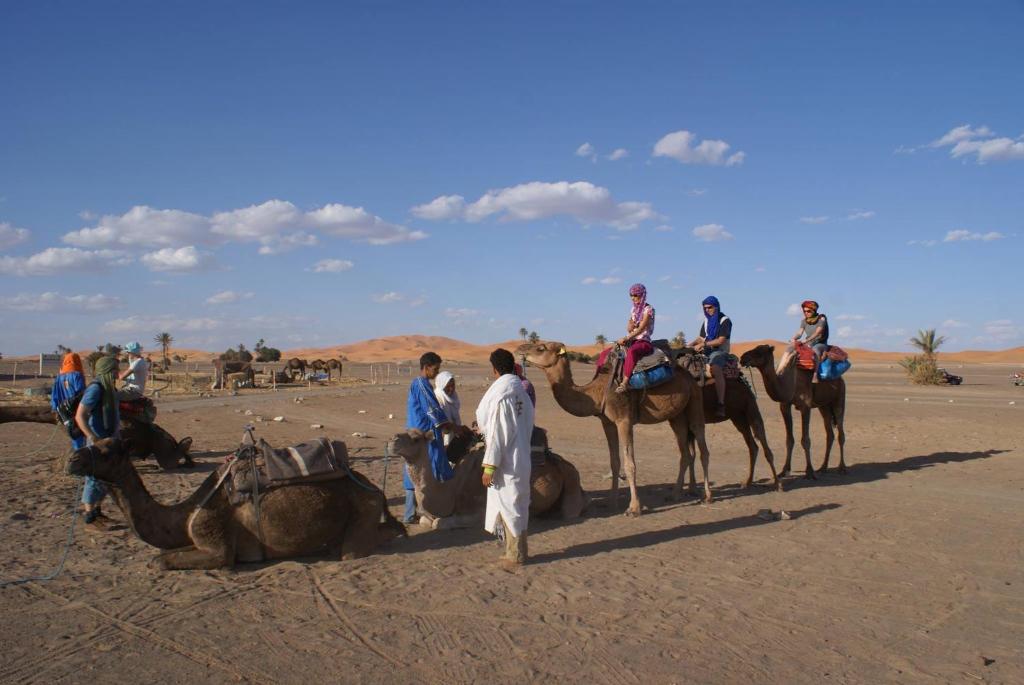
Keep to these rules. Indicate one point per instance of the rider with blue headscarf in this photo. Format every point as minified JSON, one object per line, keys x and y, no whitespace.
{"x":713,"y":341}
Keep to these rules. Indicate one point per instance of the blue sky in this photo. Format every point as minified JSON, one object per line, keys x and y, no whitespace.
{"x":325,"y":173}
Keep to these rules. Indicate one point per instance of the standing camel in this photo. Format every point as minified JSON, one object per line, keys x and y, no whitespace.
{"x":677,"y":401}
{"x":294,"y":365}
{"x":331,"y":365}
{"x":791,"y":386}
{"x":741,"y":409}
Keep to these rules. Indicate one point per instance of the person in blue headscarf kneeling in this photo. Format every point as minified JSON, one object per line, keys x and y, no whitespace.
{"x":713,"y":341}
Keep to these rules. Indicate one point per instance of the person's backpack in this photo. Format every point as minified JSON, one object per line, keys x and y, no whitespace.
{"x":66,"y":411}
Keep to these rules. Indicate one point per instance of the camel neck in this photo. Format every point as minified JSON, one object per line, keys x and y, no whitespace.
{"x":778,"y":386}
{"x":575,"y":399}
{"x":159,"y":525}
{"x":33,"y":414}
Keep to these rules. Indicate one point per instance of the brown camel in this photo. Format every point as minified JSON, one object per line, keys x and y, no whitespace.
{"x":206,"y":531}
{"x":791,"y":386}
{"x":677,"y":401}
{"x":317,"y":365}
{"x":295,"y":366}
{"x":331,"y":365}
{"x":741,"y":409}
{"x":554,"y":487}
{"x":224,"y":368}
{"x":145,"y":438}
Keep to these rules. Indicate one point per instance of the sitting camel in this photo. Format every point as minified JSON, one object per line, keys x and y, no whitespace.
{"x":554,"y":487}
{"x":296,"y":368}
{"x":206,"y":531}
{"x":677,"y":401}
{"x":145,"y":438}
{"x":791,"y":386}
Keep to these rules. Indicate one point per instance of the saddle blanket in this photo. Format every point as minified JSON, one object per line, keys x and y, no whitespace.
{"x":321,"y":459}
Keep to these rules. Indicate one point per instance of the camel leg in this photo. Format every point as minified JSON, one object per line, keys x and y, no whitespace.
{"x":691,"y":458}
{"x":830,"y":437}
{"x":838,"y":412}
{"x":611,"y":434}
{"x":193,"y":558}
{"x":686,"y":458}
{"x":757,"y":426}
{"x":362,"y":529}
{"x":791,"y":439}
{"x":694,"y":423}
{"x":805,"y":441}
{"x":744,"y":428}
{"x":625,"y":429}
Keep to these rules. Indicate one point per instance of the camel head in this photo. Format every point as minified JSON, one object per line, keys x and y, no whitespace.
{"x":411,"y":445}
{"x":760,"y":356}
{"x":101,"y":459}
{"x":544,"y":354}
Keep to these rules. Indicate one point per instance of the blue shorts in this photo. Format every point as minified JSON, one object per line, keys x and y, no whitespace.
{"x":718,"y":358}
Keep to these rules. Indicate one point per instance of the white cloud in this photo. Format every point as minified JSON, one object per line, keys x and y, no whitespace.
{"x":813,"y":219}
{"x":387,"y":298}
{"x":55,"y":302}
{"x":460,"y":313}
{"x":54,"y":260}
{"x":588,"y":151}
{"x":355,"y":223}
{"x":711,"y":233}
{"x":441,"y":208}
{"x":960,"y":235}
{"x":148,"y":325}
{"x":953,"y":323}
{"x":965,"y":141}
{"x":11,"y":236}
{"x":607,"y":280}
{"x":228,"y":297}
{"x":182,"y":259}
{"x":794,"y":310}
{"x":855,"y":216}
{"x":143,"y":226}
{"x":1000,"y":330}
{"x":851,"y":317}
{"x":276,"y":225}
{"x":664,"y":279}
{"x":583,"y":201}
{"x":697,"y":192}
{"x":664,"y":228}
{"x":332,"y":266}
{"x":618,"y":153}
{"x":960,"y":134}
{"x":683,"y":146}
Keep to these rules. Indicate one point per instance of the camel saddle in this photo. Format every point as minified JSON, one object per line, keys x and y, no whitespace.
{"x":141,"y":409}
{"x":261,"y":467}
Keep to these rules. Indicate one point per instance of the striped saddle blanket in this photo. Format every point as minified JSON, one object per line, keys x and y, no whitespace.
{"x":266,"y":467}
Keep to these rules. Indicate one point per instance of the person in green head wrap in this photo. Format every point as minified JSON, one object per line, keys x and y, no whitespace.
{"x":98,"y":418}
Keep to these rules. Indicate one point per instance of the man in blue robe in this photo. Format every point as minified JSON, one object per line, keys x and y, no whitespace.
{"x":423,"y":412}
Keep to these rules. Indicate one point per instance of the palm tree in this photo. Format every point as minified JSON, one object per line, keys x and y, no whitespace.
{"x":601,"y":340}
{"x":534,"y":337}
{"x":927,"y":342}
{"x":164,"y":340}
{"x":522,"y":333}
{"x":679,"y":340}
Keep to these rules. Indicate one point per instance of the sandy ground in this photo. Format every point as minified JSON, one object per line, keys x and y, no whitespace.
{"x":907,"y":569}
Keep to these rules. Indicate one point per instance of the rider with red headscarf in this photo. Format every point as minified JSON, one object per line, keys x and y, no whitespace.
{"x":814,"y":331}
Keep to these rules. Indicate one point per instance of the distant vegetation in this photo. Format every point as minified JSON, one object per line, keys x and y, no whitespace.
{"x":923,"y":369}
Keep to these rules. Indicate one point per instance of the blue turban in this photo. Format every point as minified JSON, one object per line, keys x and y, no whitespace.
{"x":711,"y":322}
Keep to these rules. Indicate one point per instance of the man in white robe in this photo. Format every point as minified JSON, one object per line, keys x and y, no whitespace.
{"x":505,"y":419}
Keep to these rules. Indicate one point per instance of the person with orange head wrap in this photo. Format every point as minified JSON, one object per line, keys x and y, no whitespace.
{"x":814,"y":330}
{"x":70,"y":382}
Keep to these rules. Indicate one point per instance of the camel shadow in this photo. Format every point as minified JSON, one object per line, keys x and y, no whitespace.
{"x":657,"y":537}
{"x":868,"y":472}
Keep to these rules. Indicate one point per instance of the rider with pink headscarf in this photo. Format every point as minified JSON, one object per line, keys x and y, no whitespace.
{"x":637,"y":340}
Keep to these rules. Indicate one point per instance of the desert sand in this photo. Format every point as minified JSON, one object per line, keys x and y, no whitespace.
{"x":907,"y":569}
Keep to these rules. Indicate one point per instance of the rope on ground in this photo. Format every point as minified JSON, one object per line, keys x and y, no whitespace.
{"x":56,"y":431}
{"x":67,"y":547}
